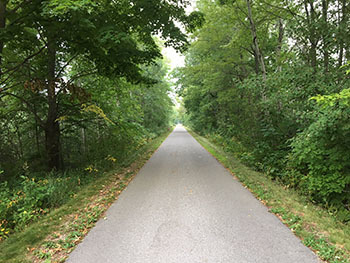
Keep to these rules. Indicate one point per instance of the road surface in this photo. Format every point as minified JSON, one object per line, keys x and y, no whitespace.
{"x":185,"y":207}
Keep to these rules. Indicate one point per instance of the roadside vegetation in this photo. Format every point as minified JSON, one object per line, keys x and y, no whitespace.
{"x":269,"y":81}
{"x":83,"y":87}
{"x":317,"y":227}
{"x":52,"y":236}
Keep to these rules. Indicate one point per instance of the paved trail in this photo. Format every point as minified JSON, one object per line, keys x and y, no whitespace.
{"x":184,"y":207}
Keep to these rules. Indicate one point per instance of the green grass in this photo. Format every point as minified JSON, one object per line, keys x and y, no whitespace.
{"x":315,"y":226}
{"x":53,"y":236}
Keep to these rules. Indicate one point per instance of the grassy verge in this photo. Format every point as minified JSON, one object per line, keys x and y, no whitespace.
{"x":315,"y":226}
{"x":54,"y":236}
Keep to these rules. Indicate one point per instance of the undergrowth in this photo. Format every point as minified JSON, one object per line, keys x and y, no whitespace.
{"x":50,"y":234}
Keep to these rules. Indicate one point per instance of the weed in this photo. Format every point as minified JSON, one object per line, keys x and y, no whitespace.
{"x":41,"y":254}
{"x":50,"y":244}
{"x":325,"y":250}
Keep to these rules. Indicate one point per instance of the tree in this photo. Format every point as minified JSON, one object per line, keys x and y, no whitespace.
{"x":249,"y":75}
{"x":257,"y":50}
{"x":43,"y":38}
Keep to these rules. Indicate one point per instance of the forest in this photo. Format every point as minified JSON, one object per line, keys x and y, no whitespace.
{"x":83,"y":85}
{"x":268,"y":80}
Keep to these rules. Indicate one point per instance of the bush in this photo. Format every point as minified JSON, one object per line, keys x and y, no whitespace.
{"x":34,"y":196}
{"x":26,"y":197}
{"x":320,"y":159}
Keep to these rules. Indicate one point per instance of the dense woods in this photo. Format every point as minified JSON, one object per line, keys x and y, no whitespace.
{"x":268,"y":80}
{"x":82,"y":86}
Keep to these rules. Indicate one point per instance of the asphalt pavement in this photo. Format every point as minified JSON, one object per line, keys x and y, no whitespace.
{"x":185,"y":207}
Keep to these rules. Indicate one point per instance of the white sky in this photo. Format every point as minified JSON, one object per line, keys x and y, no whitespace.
{"x":176,"y":58}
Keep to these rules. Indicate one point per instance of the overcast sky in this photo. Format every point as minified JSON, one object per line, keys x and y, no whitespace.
{"x":175,"y":58}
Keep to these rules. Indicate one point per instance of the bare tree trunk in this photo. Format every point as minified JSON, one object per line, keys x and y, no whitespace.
{"x":255,"y":40}
{"x":52,"y":129}
{"x":3,"y":4}
{"x":280,"y":41}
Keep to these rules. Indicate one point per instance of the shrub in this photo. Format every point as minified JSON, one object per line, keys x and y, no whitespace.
{"x":34,"y":196}
{"x":320,"y":159}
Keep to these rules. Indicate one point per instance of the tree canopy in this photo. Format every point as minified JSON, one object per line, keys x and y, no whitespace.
{"x":267,"y":79}
{"x":49,"y":49}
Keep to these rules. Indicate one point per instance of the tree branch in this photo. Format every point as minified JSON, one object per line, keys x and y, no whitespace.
{"x":78,"y":76}
{"x":14,"y":69}
{"x":10,"y":87}
{"x":29,"y":107}
{"x":65,"y":65}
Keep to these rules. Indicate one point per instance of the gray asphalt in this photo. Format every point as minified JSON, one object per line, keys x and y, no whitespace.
{"x":184,"y":206}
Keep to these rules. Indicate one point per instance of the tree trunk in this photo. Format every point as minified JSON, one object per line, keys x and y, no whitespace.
{"x":310,"y":18}
{"x":37,"y":140}
{"x":279,"y":45}
{"x":20,"y":143}
{"x":83,"y":140}
{"x":313,"y":56}
{"x":325,"y":36}
{"x":255,"y":40}
{"x":313,"y":49}
{"x":37,"y":132}
{"x":3,"y":4}
{"x":52,"y":129}
{"x":256,"y":60}
{"x":342,"y":30}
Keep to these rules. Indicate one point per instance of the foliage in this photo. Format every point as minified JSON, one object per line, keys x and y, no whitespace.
{"x":55,"y":234}
{"x":106,"y":50}
{"x":317,"y":227}
{"x":342,"y":98}
{"x":286,"y":112}
{"x":82,"y":87}
{"x":33,"y":197}
{"x":322,"y":152}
